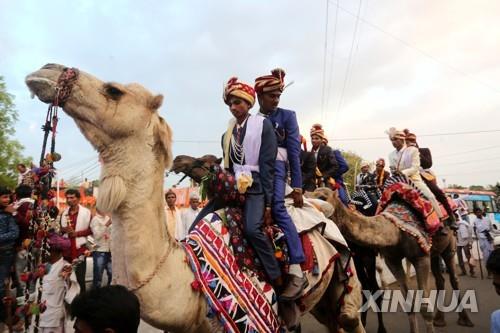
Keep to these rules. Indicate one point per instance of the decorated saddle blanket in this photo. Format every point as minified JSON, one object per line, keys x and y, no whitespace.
{"x":229,"y":274}
{"x":408,"y":221}
{"x":401,"y":188}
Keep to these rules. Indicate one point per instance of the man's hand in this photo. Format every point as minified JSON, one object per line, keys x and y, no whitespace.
{"x":10,"y":209}
{"x":71,"y":233}
{"x":268,"y":219}
{"x":298,"y":200}
{"x":66,"y":272}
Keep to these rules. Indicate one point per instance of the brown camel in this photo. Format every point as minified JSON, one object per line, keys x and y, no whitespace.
{"x":394,"y":244}
{"x":197,"y":169}
{"x":134,"y":144}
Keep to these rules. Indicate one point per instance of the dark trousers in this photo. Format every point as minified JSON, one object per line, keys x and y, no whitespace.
{"x":80,"y":271}
{"x":281,"y":217}
{"x":6,"y":262}
{"x":466,"y":251}
{"x":440,"y":196}
{"x":252,"y":228}
{"x":102,"y":262}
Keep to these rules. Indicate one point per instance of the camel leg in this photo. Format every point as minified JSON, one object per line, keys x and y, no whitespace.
{"x":396,"y":267}
{"x":422,"y":270}
{"x":439,"y":320}
{"x":448,"y":256}
{"x":371,"y":273}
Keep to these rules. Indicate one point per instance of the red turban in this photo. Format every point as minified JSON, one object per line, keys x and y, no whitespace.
{"x":272,"y":82}
{"x":317,"y":129}
{"x":240,"y":90}
{"x":410,"y":136}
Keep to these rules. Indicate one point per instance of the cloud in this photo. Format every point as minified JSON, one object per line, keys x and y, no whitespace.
{"x":430,"y":66}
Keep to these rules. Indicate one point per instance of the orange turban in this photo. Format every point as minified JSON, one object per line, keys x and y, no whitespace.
{"x":410,"y":136}
{"x":317,"y":129}
{"x":240,"y":90}
{"x":272,"y":82}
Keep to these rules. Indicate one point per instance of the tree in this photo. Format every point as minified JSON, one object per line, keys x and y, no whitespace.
{"x":477,"y":188}
{"x":353,"y":160}
{"x":10,"y":149}
{"x":457,"y":187}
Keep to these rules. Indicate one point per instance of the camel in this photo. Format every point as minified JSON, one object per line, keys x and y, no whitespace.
{"x":197,"y":169}
{"x":134,"y":143}
{"x":394,"y":244}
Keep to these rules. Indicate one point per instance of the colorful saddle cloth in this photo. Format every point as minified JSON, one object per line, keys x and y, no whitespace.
{"x":401,"y":188}
{"x":230,"y":276}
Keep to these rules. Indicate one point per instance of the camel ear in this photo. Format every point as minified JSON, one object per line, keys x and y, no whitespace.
{"x":163,"y":140}
{"x":155,"y":102}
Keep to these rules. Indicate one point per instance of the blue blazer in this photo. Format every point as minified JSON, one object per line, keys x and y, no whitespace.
{"x":287,"y":132}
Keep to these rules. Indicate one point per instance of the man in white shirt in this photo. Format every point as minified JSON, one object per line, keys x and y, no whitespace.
{"x":405,"y":160}
{"x":188,"y":216}
{"x":464,"y":245}
{"x":173,"y":215}
{"x":482,"y":228}
{"x":101,"y":230}
{"x":75,"y":225}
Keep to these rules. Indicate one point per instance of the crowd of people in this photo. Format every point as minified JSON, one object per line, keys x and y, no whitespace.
{"x":266,"y":153}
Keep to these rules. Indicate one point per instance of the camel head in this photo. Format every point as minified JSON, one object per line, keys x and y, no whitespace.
{"x":108,"y":113}
{"x":196,"y":168}
{"x":325,"y":194}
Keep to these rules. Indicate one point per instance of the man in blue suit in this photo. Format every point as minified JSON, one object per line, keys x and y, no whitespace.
{"x":286,"y":128}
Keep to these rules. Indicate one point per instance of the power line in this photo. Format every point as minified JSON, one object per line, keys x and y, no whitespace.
{"x":470,"y":151}
{"x":324,"y":59}
{"x":422,"y":52}
{"x":332,"y":61}
{"x":341,"y":101}
{"x":439,"y":165}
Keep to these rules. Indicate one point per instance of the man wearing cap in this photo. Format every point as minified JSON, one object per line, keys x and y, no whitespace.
{"x":429,"y":178}
{"x":331,"y":163}
{"x":381,"y":173}
{"x":189,"y":214}
{"x":286,"y":128}
{"x":405,"y":160}
{"x":365,"y":181}
{"x":249,"y":147}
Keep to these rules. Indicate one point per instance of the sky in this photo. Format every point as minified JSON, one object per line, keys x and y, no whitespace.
{"x":430,"y":66}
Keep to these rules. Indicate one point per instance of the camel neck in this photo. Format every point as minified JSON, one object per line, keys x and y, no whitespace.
{"x":375,"y":232}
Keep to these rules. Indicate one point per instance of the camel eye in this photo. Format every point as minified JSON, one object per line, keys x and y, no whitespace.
{"x":113,"y":92}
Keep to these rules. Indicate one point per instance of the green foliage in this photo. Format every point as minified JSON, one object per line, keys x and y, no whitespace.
{"x":10,"y":149}
{"x":456,"y":186}
{"x":477,"y":188}
{"x":353,"y":160}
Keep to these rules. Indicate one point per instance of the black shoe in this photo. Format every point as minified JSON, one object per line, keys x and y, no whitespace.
{"x":294,"y":288}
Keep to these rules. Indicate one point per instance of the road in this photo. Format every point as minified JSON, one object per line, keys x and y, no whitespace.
{"x":487,"y":299}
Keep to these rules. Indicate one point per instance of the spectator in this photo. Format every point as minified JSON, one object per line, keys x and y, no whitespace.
{"x":188,"y":216}
{"x":59,"y":287}
{"x":9,"y":232}
{"x":464,"y":245}
{"x":101,"y":229}
{"x":482,"y":228}
{"x":75,"y":224}
{"x":24,"y":210}
{"x":111,"y":309}
{"x":26,"y":176}
{"x":493,"y":266}
{"x":173,"y":215}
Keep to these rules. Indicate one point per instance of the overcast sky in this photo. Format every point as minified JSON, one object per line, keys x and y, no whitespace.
{"x":431,"y":66}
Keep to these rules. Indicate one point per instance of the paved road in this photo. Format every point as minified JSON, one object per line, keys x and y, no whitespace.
{"x":487,"y":299}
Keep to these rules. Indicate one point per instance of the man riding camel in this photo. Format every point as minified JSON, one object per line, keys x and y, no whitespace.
{"x":429,"y":178}
{"x":250,"y":148}
{"x":405,"y":160}
{"x":331,"y":164}
{"x":269,"y":89}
